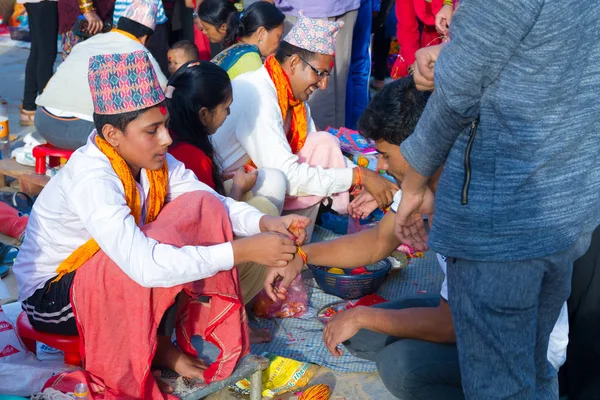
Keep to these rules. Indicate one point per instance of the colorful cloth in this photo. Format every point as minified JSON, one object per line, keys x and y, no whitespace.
{"x":156,"y":199}
{"x":122,"y":5}
{"x":228,"y":58}
{"x":118,"y":355}
{"x":316,"y":35}
{"x":144,"y":12}
{"x":121,"y":83}
{"x":296,"y":135}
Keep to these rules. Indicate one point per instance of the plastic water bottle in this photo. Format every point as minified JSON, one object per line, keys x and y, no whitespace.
{"x":4,"y":131}
{"x":81,"y":391}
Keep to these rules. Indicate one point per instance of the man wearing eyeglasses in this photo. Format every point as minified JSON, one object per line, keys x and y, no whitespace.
{"x":270,"y":125}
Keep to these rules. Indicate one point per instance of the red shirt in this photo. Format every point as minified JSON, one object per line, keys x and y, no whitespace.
{"x":195,"y":160}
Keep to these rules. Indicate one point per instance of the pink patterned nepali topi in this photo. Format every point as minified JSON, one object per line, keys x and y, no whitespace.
{"x":143,"y":12}
{"x":121,"y":83}
{"x":316,"y":35}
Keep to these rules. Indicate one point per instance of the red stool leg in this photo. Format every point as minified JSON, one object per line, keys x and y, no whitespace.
{"x":30,"y":344}
{"x":53,"y":161}
{"x":40,"y":165}
{"x":72,"y":359}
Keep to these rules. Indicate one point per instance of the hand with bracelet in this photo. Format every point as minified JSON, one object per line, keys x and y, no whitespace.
{"x":444,"y":17}
{"x":87,"y":9}
{"x":380,"y":188}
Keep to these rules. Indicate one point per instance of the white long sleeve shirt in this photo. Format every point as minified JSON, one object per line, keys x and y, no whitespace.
{"x":256,"y":130}
{"x":86,"y":200}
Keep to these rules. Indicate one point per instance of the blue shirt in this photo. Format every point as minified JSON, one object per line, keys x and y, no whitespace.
{"x":317,"y":8}
{"x":523,"y":182}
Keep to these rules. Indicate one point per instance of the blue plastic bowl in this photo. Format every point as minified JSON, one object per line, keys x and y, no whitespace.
{"x":352,"y":286}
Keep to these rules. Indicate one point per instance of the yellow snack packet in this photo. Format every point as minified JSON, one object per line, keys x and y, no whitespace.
{"x":281,"y":376}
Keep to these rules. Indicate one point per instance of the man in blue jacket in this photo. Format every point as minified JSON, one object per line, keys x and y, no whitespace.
{"x":515,"y":117}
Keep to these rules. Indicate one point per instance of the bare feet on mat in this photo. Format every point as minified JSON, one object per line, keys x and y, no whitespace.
{"x":259,"y":335}
{"x":169,"y":356}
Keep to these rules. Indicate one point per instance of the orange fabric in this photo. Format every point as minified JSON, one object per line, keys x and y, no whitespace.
{"x":299,"y":126}
{"x":117,"y":319}
{"x":159,"y":183}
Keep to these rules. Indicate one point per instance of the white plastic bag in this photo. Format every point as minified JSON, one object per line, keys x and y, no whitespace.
{"x":21,"y":373}
{"x":11,"y":347}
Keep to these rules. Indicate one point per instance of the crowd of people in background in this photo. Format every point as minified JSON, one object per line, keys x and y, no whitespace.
{"x":490,"y":135}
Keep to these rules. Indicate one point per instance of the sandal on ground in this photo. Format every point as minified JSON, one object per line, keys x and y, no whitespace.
{"x":27,"y":117}
{"x":8,"y":254}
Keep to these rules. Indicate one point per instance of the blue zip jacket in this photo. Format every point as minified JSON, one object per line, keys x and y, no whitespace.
{"x":515,"y":116}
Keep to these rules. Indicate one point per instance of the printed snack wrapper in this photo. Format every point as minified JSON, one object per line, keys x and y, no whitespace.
{"x":283,"y":375}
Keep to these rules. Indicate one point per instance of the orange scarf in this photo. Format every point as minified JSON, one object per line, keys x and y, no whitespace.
{"x":299,"y":126}
{"x":156,"y":199}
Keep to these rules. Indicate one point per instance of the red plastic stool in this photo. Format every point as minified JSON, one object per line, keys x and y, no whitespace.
{"x":69,"y":345}
{"x":54,"y":155}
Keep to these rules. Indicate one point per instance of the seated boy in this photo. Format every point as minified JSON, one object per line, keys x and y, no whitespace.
{"x":124,"y":240}
{"x":412,"y":340}
{"x":180,"y":53}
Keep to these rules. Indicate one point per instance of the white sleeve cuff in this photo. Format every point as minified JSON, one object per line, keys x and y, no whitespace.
{"x":343,"y":179}
{"x":221,"y":257}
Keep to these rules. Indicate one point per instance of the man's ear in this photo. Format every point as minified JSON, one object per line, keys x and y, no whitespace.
{"x":294,"y":63}
{"x":112,"y":135}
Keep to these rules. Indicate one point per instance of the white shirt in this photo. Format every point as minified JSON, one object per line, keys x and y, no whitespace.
{"x":68,"y":91}
{"x":86,"y":199}
{"x":559,"y":337}
{"x":255,"y":130}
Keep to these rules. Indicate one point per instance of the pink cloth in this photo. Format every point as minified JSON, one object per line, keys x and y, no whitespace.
{"x":118,"y":319}
{"x":320,"y":149}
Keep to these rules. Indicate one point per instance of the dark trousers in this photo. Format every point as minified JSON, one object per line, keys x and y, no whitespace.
{"x":158,"y":46}
{"x":43,"y":30}
{"x":411,"y":369}
{"x":582,"y":369}
{"x":381,"y":50}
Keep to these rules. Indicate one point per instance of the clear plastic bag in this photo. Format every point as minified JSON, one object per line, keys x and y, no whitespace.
{"x":294,"y":306}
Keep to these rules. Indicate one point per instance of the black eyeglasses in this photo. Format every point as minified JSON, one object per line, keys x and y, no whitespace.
{"x":320,"y":74}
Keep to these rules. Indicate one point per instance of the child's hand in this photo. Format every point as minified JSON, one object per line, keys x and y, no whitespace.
{"x":443,"y":19}
{"x":286,"y":275}
{"x":362,"y":205}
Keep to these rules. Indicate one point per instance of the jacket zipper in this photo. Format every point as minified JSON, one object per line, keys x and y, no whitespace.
{"x":467,"y":181}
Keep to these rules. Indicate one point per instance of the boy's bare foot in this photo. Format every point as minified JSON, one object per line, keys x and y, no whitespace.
{"x":259,"y":335}
{"x":169,"y":356}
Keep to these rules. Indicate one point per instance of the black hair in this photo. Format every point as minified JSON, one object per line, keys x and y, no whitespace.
{"x":203,"y":84}
{"x":393,"y":113}
{"x":239,"y":25}
{"x":119,"y":121}
{"x":286,"y":50}
{"x":188,"y":47}
{"x":133,"y":27}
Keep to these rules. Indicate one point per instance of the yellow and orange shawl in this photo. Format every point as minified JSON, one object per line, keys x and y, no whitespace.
{"x":159,"y":181}
{"x":299,"y":126}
